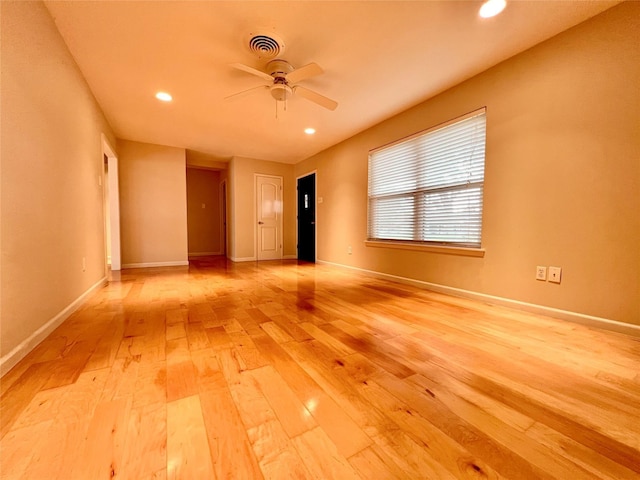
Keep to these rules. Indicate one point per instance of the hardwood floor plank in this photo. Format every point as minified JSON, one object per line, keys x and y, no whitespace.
{"x":230,"y":448}
{"x":19,"y":395}
{"x":218,"y":338}
{"x":197,"y":336}
{"x":151,"y":384}
{"x":415,"y":460}
{"x":364,"y":344}
{"x":326,"y":370}
{"x":101,"y":454}
{"x":44,"y":406}
{"x":175,"y":331}
{"x":545,"y":409}
{"x":253,"y":407}
{"x":80,"y":399}
{"x":275,"y":452}
{"x":18,"y":449}
{"x":146,"y":442}
{"x":277,"y":333}
{"x":445,"y":450}
{"x":187,"y":445}
{"x":492,"y":438}
{"x":372,"y":462}
{"x":321,"y":457}
{"x":295,"y":370}
{"x":105,"y":353}
{"x":291,"y":327}
{"x":293,"y":415}
{"x":69,"y":368}
{"x":181,"y":374}
{"x":331,"y":341}
{"x":245,"y":346}
{"x":64,"y":440}
{"x":343,"y":431}
{"x":121,"y":381}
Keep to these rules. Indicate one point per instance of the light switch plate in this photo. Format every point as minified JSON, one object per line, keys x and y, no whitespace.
{"x":541,"y":273}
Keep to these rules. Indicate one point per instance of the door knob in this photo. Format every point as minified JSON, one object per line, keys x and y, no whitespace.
{"x":260,"y":223}
{"x":313,"y":223}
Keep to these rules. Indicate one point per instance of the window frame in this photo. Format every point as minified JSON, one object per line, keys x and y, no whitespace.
{"x":419,"y":194}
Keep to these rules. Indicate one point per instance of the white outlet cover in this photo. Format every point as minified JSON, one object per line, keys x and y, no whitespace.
{"x":541,"y":273}
{"x":555,"y":274}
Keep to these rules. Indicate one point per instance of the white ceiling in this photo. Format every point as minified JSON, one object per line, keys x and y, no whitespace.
{"x":380,"y":58}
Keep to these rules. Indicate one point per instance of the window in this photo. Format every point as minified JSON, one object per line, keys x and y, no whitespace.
{"x":428,"y":188}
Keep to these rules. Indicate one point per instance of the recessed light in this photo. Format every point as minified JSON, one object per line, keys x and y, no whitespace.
{"x":491,"y":8}
{"x":309,"y":131}
{"x":164,"y":96}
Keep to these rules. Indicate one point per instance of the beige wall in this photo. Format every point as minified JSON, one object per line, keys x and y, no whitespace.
{"x":153,"y":204}
{"x":203,"y":211}
{"x":51,"y":207}
{"x":562,"y":182}
{"x":242,"y":197}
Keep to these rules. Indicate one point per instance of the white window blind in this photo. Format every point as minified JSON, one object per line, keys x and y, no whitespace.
{"x":428,"y":188}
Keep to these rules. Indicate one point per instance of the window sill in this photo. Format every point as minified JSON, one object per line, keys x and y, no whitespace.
{"x":467,"y":252}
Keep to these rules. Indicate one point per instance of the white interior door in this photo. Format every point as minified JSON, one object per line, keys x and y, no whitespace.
{"x":269,"y":217}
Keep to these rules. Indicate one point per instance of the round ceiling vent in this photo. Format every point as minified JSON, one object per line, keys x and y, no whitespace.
{"x":265,"y":45}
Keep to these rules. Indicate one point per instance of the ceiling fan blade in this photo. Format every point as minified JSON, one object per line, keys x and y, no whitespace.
{"x":252,"y":71}
{"x":316,"y":97}
{"x":303,"y":73}
{"x":246,"y":92}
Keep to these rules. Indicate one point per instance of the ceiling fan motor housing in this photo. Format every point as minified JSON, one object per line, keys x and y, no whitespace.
{"x":279,"y":68}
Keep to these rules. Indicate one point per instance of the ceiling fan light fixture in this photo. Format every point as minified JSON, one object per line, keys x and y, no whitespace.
{"x":281,"y":92}
{"x":491,"y":8}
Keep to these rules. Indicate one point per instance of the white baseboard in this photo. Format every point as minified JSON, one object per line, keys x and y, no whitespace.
{"x":243,"y":259}
{"x":583,"y":319}
{"x":8,"y":361}
{"x":255,"y":259}
{"x":180,"y":263}
{"x":203,"y":254}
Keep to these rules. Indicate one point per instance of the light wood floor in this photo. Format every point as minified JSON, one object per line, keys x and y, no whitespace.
{"x":280,"y":370}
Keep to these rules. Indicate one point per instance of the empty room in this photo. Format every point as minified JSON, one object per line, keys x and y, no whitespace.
{"x":320,"y":239}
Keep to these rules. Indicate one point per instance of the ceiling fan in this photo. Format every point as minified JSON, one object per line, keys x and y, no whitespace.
{"x":283,"y":82}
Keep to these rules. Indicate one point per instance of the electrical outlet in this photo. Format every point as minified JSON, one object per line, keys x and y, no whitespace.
{"x":555,"y":273}
{"x":84,"y":264}
{"x":349,"y":250}
{"x":541,"y":273}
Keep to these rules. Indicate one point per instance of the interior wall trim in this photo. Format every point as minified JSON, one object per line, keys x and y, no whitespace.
{"x":243,"y":259}
{"x":583,"y":319}
{"x":203,"y":254}
{"x":8,"y":361}
{"x":180,"y":263}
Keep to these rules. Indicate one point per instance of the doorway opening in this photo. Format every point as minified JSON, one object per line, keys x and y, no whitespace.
{"x":223,"y":217}
{"x":111,"y":197}
{"x":204,"y":222}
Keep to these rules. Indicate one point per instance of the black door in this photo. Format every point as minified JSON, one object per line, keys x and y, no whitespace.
{"x":307,"y":218}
